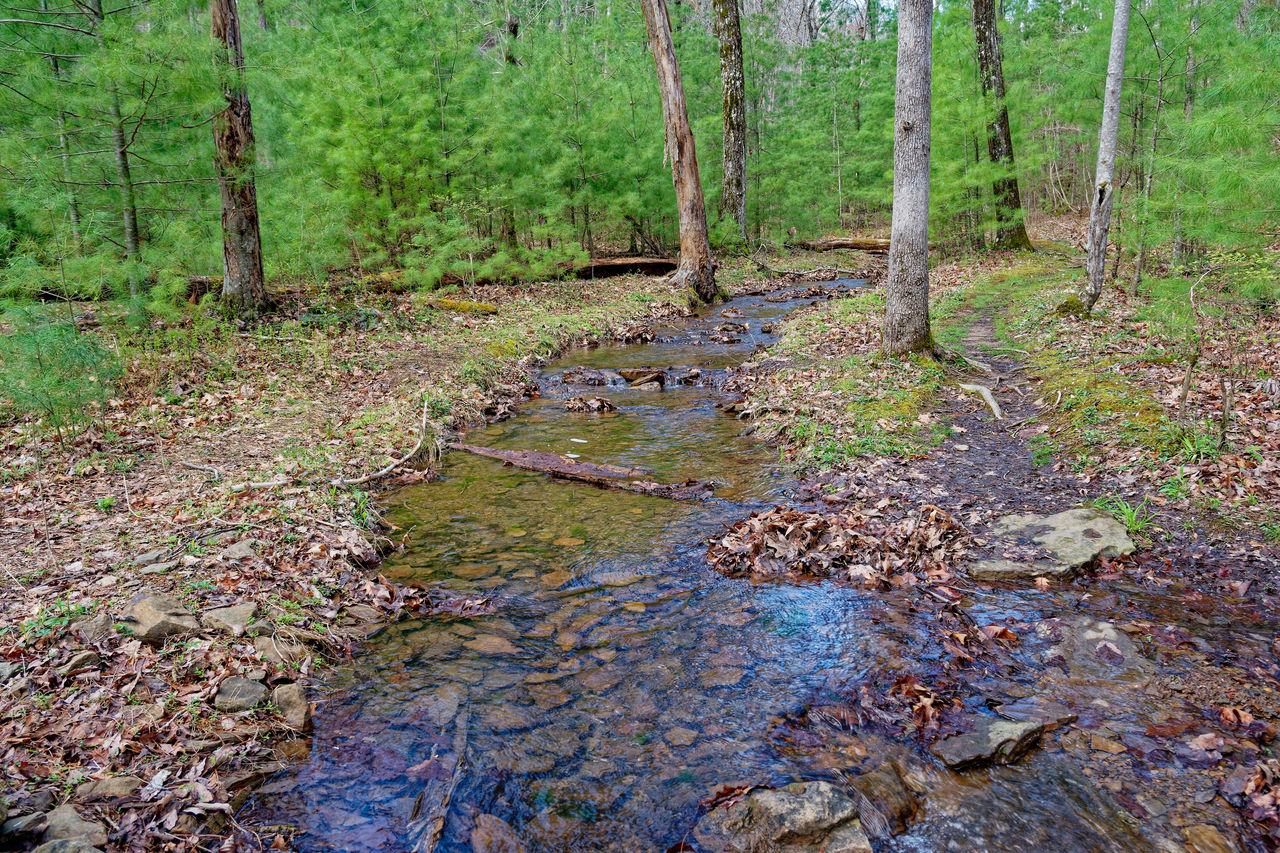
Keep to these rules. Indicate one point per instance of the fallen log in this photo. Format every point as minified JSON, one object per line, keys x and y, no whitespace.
{"x":591,"y":269}
{"x":605,"y":475}
{"x":871,"y":245}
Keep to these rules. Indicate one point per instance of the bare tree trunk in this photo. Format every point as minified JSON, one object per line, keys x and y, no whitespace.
{"x":733,"y":190}
{"x":1104,"y":174}
{"x":1148,"y":178}
{"x":1011,"y":232}
{"x":696,"y":270}
{"x":263,"y":20}
{"x":64,"y":150}
{"x":906,"y":319}
{"x":242,"y":285}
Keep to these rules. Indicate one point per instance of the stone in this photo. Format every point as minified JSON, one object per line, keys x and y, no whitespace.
{"x":67,"y":845}
{"x":1007,"y":570}
{"x":721,"y":676}
{"x":111,"y":788}
{"x":681,"y":736}
{"x":1038,"y":709}
{"x":885,"y":791}
{"x":639,"y":375}
{"x":494,"y":835}
{"x":9,"y":670}
{"x":849,"y":838}
{"x":492,"y":644}
{"x":1094,"y":651}
{"x":160,"y":568}
{"x":93,"y":628}
{"x":239,"y":694}
{"x":442,"y":703}
{"x":1075,"y":538}
{"x":27,"y":824}
{"x":154,"y":617}
{"x":291,"y":699}
{"x":991,"y":741}
{"x":150,"y":557}
{"x":805,"y":817}
{"x":65,"y":822}
{"x":234,"y":620}
{"x":1206,"y":838}
{"x":648,"y":386}
{"x":242,"y":550}
{"x":277,"y":650}
{"x":80,"y":660}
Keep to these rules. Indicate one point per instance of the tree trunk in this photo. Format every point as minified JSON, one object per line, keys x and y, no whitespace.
{"x":733,"y":191}
{"x":242,"y":284}
{"x":1011,"y":232}
{"x":1148,"y":177}
{"x":263,"y":21}
{"x":1104,"y":175}
{"x":906,"y":319}
{"x":696,"y":270}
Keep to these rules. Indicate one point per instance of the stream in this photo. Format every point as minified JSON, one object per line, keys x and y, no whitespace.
{"x":622,"y":679}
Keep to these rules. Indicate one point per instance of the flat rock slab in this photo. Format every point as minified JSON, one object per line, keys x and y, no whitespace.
{"x":153,"y":617}
{"x":991,"y":741}
{"x":804,"y":817}
{"x":239,"y":694}
{"x":234,"y":620}
{"x":1075,"y":539}
{"x":65,"y":823}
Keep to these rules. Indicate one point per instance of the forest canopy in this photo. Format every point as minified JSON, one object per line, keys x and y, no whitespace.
{"x":447,"y":140}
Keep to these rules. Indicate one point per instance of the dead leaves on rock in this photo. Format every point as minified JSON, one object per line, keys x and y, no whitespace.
{"x":863,"y":546}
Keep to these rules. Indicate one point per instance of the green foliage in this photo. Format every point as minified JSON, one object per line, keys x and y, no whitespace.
{"x":52,"y":371}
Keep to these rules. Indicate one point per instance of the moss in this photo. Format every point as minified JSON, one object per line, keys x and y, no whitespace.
{"x":463,"y":306}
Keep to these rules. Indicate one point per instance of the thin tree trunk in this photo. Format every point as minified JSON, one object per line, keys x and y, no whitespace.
{"x":906,"y":319}
{"x":733,"y":192}
{"x":1104,"y":174}
{"x":263,"y":20}
{"x":1011,"y":232}
{"x":696,"y":270}
{"x":1148,"y":178}
{"x":242,"y":281}
{"x":64,"y":151}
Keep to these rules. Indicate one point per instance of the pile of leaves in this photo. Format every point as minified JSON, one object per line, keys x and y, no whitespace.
{"x":857,"y":544}
{"x":1261,"y":796}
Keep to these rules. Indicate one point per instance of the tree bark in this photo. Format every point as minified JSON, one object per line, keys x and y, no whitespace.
{"x":1104,"y":174}
{"x":906,"y":319}
{"x":733,"y":188}
{"x":242,"y":281}
{"x":1011,"y":232}
{"x":696,"y":270}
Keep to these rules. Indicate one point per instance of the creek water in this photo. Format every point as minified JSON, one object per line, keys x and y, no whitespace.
{"x":621,"y":679}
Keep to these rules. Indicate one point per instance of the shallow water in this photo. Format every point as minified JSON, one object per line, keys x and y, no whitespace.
{"x":620,"y":679}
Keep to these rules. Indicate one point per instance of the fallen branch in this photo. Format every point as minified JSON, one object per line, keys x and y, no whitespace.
{"x":985,"y":393}
{"x":608,"y":476}
{"x":871,"y":245}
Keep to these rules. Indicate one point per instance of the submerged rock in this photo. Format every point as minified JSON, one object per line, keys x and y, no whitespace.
{"x":1075,"y":539}
{"x":992,"y":741}
{"x":494,"y":835}
{"x":887,"y":805}
{"x":806,"y":817}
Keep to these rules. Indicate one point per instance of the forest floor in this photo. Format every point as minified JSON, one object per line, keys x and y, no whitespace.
{"x":180,"y":566}
{"x":219,"y":500}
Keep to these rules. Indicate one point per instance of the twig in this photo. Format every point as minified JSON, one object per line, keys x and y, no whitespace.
{"x":208,"y":469}
{"x":985,"y":393}
{"x":378,"y":475}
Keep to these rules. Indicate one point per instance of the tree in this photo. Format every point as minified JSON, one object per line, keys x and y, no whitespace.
{"x":1104,"y":174}
{"x":242,"y":281}
{"x":733,"y":190}
{"x":906,"y":319}
{"x":696,"y":270}
{"x":1011,"y":232}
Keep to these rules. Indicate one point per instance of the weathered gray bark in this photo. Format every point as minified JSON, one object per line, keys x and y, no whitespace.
{"x":1104,"y":174}
{"x":906,"y":319}
{"x":233,"y":145}
{"x":733,"y":188}
{"x":696,"y":270}
{"x":1011,"y":233}
{"x":263,"y":21}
